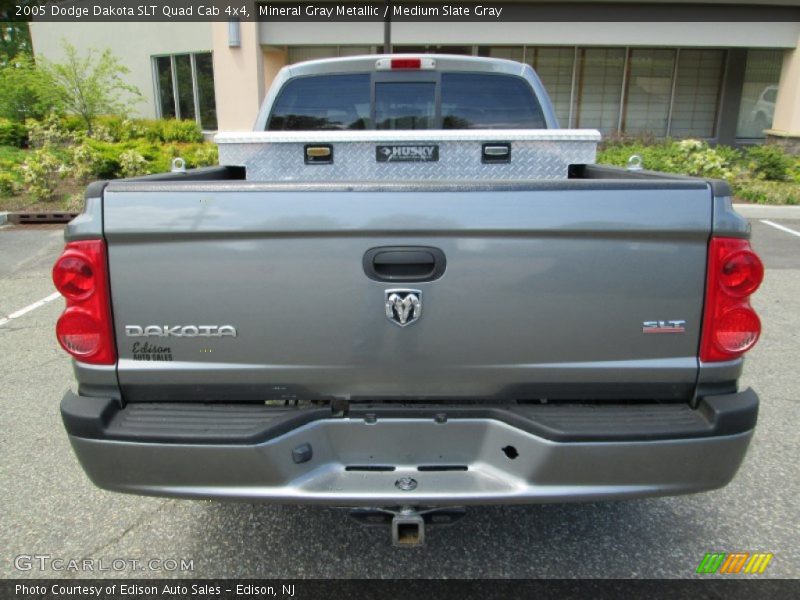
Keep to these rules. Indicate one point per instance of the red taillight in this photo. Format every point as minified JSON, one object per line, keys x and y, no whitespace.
{"x":737,"y":330}
{"x":73,"y":275}
{"x":79,"y":332}
{"x":84,"y":329}
{"x":730,"y":325}
{"x":406,"y":63}
{"x":741,"y":273}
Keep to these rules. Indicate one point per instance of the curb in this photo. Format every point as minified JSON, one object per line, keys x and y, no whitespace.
{"x":759,"y":211}
{"x":26,"y":218}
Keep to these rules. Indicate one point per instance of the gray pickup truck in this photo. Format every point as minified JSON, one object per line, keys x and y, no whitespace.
{"x":406,"y":291}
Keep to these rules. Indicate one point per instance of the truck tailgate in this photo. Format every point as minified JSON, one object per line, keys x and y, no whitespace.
{"x":546,"y":289}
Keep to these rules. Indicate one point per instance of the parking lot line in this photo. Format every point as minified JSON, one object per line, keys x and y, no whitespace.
{"x":781,"y":227}
{"x":29,"y":308}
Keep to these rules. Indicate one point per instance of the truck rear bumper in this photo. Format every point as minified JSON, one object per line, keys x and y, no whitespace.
{"x":415,"y":456}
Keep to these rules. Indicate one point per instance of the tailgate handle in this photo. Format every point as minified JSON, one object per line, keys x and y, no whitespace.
{"x":404,"y":263}
{"x":496,"y":152}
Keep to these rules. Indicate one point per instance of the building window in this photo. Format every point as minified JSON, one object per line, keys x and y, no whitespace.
{"x":300,"y":53}
{"x":185,"y":88}
{"x":165,"y":95}
{"x":204,"y":75}
{"x":355,"y":50}
{"x":432,"y":49}
{"x":698,"y":85}
{"x":648,"y":91}
{"x":555,"y":68}
{"x":656,"y":91}
{"x":599,"y":88}
{"x":757,"y":107}
{"x":507,"y":52}
{"x":185,"y":84}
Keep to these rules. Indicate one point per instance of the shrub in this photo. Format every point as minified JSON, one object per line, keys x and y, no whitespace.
{"x":49,"y":132}
{"x":121,"y":129}
{"x":767,"y":192}
{"x":131,"y":130}
{"x":695,"y":157}
{"x":181,"y":131}
{"x":107,"y":165}
{"x":40,"y":173}
{"x":73,"y":124}
{"x":112,"y":128}
{"x":133,"y":157}
{"x":687,"y":157}
{"x":84,"y":162}
{"x":109,"y":127}
{"x":153,"y":129}
{"x":132,"y":164}
{"x":762,"y":174}
{"x":110,"y":162}
{"x":160,"y":157}
{"x":206,"y":155}
{"x":661,"y":156}
{"x":13,"y":134}
{"x":102,"y":133}
{"x":769,"y":162}
{"x":8,"y":185}
{"x":794,"y":170}
{"x":11,"y":160}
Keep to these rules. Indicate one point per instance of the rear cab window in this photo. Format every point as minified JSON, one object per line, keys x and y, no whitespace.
{"x":452,"y":100}
{"x":479,"y":101}
{"x":405,"y":105}
{"x":323,"y":102}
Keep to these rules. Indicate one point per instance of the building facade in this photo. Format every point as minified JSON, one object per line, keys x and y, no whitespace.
{"x":725,"y":81}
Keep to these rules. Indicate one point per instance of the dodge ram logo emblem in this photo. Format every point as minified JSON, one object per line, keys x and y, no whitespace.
{"x":403,"y":307}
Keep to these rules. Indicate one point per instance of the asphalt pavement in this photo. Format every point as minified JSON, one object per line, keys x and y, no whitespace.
{"x":50,"y":509}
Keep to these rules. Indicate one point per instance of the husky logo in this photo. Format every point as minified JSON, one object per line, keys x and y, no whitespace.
{"x":180,"y":331}
{"x":403,"y":307}
{"x":420,"y":153}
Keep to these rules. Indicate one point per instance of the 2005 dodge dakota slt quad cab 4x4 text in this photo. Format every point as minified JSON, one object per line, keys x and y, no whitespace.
{"x":408,"y":290}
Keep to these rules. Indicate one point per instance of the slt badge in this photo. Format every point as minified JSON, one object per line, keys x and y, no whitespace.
{"x":403,"y":307}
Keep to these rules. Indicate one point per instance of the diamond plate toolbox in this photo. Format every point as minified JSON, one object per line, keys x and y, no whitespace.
{"x":408,"y":155}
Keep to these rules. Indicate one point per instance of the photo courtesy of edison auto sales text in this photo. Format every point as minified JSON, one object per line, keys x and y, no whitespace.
{"x":161,"y":590}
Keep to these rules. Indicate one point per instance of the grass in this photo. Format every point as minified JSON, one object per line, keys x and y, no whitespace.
{"x":11,"y":155}
{"x":784,"y":193}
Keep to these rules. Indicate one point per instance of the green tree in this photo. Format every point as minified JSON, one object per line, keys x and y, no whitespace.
{"x":91,"y":85}
{"x":15,"y":36}
{"x":25,"y":90}
{"x":15,"y":39}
